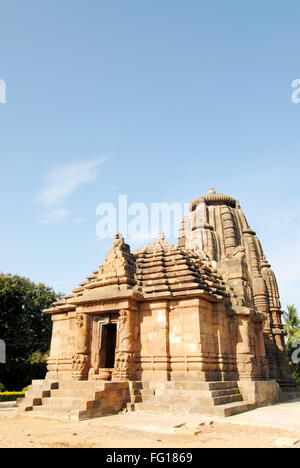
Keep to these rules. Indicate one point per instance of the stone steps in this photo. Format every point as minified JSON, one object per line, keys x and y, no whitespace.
{"x":190,"y":400}
{"x":70,"y":403}
{"x":191,"y":393}
{"x":211,"y":398}
{"x":229,"y":391}
{"x":38,"y":390}
{"x":224,"y":410}
{"x":183,"y":385}
{"x":76,"y":393}
{"x":231,"y":409}
{"x":52,"y":412}
{"x":83,"y":385}
{"x":77,"y":400}
{"x":63,"y":414}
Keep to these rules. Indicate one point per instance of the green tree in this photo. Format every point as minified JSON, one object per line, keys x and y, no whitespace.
{"x":25,"y":329}
{"x":292,"y":323}
{"x":292,"y":328}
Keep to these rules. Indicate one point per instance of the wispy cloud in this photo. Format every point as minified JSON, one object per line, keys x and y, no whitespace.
{"x":54,"y":216}
{"x":63,"y":181}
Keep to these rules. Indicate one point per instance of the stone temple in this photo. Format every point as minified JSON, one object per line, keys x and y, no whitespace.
{"x":190,"y":328}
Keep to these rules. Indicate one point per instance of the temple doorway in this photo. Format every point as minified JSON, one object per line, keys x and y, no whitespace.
{"x":108,"y":346}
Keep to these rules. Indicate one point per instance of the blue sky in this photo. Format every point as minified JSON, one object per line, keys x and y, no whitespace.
{"x":159,"y":100}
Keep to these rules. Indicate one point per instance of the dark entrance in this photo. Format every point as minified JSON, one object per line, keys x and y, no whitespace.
{"x":108,"y":346}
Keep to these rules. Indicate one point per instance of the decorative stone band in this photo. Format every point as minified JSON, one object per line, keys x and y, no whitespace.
{"x":226,"y":366}
{"x":214,"y":199}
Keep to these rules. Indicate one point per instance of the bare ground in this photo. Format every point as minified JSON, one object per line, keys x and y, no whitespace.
{"x":25,"y":431}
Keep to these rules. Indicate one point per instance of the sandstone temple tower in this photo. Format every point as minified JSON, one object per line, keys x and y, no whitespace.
{"x":194,"y":327}
{"x":224,"y":236}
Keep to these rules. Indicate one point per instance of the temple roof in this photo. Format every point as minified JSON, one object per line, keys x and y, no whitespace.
{"x":158,"y":270}
{"x":162,"y":269}
{"x":213,"y":198}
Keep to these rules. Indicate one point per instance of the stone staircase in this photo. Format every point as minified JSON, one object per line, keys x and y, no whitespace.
{"x":74,"y":400}
{"x":78,"y":400}
{"x":207,"y":398}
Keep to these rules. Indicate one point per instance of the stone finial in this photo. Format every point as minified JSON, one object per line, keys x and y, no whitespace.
{"x":211,"y":191}
{"x":161,"y":236}
{"x":119,"y":243}
{"x":118,"y":240}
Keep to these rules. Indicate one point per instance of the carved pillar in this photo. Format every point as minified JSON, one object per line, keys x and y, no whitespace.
{"x":126,"y":346}
{"x":80,"y":360}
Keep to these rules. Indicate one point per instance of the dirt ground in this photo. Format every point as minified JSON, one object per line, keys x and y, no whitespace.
{"x":24,"y":431}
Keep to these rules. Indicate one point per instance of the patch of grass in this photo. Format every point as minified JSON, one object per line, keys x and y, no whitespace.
{"x":11,"y":396}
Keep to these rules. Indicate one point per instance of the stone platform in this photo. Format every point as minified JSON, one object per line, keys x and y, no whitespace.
{"x":79,"y":400}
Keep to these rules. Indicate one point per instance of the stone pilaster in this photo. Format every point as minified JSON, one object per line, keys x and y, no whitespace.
{"x":126,"y":346}
{"x":80,"y":360}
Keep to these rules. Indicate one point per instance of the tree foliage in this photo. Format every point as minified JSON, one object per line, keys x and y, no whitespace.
{"x":292,"y":323}
{"x":25,"y":329}
{"x":292,"y":328}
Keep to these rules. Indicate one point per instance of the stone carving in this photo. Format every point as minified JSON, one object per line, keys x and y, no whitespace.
{"x":125,"y":334}
{"x":80,"y":359}
{"x":118,"y":263}
{"x":81,"y":333}
{"x":125,"y":345}
{"x":239,"y":252}
{"x":161,"y":236}
{"x":122,"y":360}
{"x":119,"y":243}
{"x":80,"y":366}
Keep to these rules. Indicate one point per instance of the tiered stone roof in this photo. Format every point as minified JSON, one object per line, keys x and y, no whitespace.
{"x":158,"y":270}
{"x":162,"y":270}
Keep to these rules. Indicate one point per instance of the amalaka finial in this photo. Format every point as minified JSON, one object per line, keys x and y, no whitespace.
{"x":161,"y":236}
{"x":211,"y":191}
